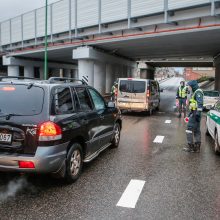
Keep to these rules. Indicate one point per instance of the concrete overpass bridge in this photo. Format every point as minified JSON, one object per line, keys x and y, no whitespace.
{"x":103,"y":39}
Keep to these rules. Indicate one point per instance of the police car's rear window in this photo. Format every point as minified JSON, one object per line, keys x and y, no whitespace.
{"x":21,"y":99}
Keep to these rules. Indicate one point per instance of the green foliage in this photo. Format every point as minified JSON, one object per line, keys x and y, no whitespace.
{"x":205,"y":78}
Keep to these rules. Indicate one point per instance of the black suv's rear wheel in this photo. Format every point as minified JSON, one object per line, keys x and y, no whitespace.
{"x":74,"y":163}
{"x":117,"y":135}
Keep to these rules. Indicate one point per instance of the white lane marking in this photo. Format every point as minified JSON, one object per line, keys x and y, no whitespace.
{"x":168,"y":122}
{"x":131,"y":194}
{"x":159,"y":139}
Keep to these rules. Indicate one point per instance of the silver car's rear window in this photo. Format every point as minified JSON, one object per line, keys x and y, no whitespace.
{"x":132,"y":86}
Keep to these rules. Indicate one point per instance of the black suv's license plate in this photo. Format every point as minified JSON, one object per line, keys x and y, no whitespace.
{"x":5,"y":138}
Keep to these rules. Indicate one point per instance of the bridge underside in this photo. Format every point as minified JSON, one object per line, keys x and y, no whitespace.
{"x":194,"y":46}
{"x":177,"y":47}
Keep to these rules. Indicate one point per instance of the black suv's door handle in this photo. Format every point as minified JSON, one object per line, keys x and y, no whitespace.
{"x":84,"y":121}
{"x":102,"y":117}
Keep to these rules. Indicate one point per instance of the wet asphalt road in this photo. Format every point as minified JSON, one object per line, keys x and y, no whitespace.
{"x":178,"y":185}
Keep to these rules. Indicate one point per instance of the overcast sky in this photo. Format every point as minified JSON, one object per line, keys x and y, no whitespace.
{"x":13,"y":8}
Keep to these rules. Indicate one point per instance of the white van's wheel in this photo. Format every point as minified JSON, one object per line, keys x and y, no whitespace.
{"x":150,"y":112}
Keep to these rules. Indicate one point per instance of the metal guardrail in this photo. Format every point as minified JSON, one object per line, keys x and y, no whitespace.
{"x":68,"y":18}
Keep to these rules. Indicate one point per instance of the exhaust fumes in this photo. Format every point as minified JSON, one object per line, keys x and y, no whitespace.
{"x":13,"y":187}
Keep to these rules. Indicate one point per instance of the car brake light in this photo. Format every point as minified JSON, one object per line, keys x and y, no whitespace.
{"x":26,"y":164}
{"x":8,"y":89}
{"x":148,"y":93}
{"x":49,"y":131}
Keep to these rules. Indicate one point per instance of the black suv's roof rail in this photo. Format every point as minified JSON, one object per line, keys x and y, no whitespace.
{"x":16,"y":77}
{"x":65,"y":80}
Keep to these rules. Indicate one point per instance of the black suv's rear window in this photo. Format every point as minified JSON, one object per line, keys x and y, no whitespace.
{"x":21,"y":99}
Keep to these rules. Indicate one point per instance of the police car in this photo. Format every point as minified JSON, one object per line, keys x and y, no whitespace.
{"x":213,"y":125}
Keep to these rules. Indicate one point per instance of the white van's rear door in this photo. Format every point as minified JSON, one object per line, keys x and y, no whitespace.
{"x":124,"y":97}
{"x":139,"y":94}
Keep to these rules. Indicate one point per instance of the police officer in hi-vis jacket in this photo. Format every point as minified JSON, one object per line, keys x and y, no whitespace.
{"x":193,"y":132}
{"x":181,"y":96}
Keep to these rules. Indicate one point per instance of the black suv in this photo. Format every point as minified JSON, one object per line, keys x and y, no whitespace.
{"x":53,"y":126}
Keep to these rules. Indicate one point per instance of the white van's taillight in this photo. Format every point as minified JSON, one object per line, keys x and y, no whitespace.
{"x":148,"y":93}
{"x":49,"y":131}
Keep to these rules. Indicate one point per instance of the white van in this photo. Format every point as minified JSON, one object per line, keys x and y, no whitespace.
{"x":139,"y":95}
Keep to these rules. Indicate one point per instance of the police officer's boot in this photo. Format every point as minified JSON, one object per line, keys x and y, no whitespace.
{"x":197,"y":147}
{"x":189,"y":148}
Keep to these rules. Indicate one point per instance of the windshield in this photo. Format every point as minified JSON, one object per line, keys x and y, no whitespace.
{"x":211,"y":93}
{"x":18,"y":99}
{"x":132,"y":86}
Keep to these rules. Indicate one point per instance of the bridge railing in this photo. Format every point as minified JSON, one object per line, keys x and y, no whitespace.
{"x":71,"y":16}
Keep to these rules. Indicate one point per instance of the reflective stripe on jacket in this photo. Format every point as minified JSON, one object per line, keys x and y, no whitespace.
{"x":182,"y":92}
{"x":193,"y":104}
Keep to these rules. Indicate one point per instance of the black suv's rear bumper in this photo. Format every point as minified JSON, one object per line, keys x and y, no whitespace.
{"x":46,"y":160}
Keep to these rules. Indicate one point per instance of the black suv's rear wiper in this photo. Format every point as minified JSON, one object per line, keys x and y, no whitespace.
{"x":8,"y":116}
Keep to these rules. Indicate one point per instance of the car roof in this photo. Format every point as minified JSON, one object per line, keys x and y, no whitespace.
{"x":130,"y":79}
{"x":51,"y":82}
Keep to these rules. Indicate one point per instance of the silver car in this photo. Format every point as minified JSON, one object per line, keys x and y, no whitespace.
{"x":139,"y":95}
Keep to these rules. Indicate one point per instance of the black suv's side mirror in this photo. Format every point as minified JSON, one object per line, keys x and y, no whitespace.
{"x":111,"y":105}
{"x":161,"y":90}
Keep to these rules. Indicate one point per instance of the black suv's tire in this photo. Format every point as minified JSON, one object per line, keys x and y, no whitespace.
{"x":117,"y":135}
{"x":74,"y":163}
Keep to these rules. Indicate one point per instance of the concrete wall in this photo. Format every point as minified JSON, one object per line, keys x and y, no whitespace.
{"x":217,"y":73}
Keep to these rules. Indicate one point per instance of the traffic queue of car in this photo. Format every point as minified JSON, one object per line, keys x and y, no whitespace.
{"x":54,"y":126}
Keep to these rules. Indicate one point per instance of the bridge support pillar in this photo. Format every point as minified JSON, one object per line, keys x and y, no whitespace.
{"x":67,"y":73}
{"x":146,"y":71}
{"x":28,"y":71}
{"x":100,"y":69}
{"x":86,"y":71}
{"x":13,"y":70}
{"x":13,"y":64}
{"x":217,"y":73}
{"x":110,"y":77}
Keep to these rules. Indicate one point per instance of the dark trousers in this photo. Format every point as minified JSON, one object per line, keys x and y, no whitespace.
{"x":193,"y":132}
{"x":182,"y":105}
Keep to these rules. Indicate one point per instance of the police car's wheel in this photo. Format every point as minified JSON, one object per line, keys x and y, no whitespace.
{"x":158,"y":107}
{"x":207,"y":130}
{"x":150,"y":112}
{"x":217,"y":147}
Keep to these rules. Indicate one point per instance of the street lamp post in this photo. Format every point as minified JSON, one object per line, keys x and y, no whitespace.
{"x":46,"y":44}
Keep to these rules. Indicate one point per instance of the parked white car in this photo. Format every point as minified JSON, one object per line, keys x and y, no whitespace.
{"x":213,"y":125}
